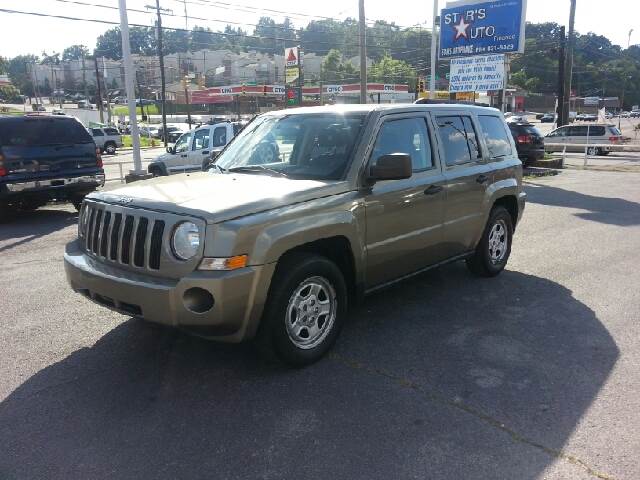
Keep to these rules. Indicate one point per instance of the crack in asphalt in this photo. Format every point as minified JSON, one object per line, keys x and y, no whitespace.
{"x":485,"y":417}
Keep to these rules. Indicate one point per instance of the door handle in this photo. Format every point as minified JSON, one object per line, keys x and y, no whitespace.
{"x":184,"y":156}
{"x":205,"y":152}
{"x":433,"y":189}
{"x":482,"y":179}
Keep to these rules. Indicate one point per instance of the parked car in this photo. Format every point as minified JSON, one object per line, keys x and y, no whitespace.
{"x":84,"y":104}
{"x":517,"y":118}
{"x":107,"y":139}
{"x":45,"y":158}
{"x":195,"y":149}
{"x":548,"y":118}
{"x":635,"y":113}
{"x":529,"y":141}
{"x":38,"y":107}
{"x":355,"y":199}
{"x":576,"y":137}
{"x":170,"y":129}
{"x":149,"y":131}
{"x":143,"y":102}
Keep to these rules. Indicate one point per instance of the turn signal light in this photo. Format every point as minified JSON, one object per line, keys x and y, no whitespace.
{"x":231,"y":263}
{"x":3,"y":170}
{"x":98,"y":158}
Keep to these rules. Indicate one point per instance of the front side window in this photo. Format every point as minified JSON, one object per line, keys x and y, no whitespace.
{"x":495,"y":136}
{"x":560,"y":132}
{"x":111,"y":131}
{"x":220,"y":136}
{"x":315,"y":146}
{"x":409,"y":136}
{"x":201,"y":139}
{"x":458,"y":139}
{"x":182,"y":145}
{"x":96,"y":132}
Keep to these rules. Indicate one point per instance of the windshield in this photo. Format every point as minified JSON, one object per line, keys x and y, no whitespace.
{"x":42,"y":131}
{"x":302,"y":146}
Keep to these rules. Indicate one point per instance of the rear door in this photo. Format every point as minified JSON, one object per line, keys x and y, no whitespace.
{"x":404,"y":217}
{"x":98,"y":137}
{"x":467,"y":176}
{"x":221,"y":135}
{"x":47,"y":147}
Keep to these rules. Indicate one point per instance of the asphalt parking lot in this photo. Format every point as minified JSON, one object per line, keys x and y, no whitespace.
{"x":533,"y":374}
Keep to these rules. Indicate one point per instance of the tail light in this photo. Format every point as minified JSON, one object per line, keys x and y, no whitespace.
{"x":98,"y":158}
{"x":524,"y":139}
{"x":3,"y":170}
{"x":614,"y":139}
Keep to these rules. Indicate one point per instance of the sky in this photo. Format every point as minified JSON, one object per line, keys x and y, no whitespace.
{"x":21,"y":34}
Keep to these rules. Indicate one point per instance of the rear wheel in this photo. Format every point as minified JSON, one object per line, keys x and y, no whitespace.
{"x":110,"y":148}
{"x":493,"y":250}
{"x":155,"y":171}
{"x":305,"y":310}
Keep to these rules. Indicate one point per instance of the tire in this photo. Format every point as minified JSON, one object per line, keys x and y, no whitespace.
{"x":77,"y":203}
{"x":486,"y":261}
{"x":604,"y":153}
{"x":110,"y":148}
{"x":156,"y":171}
{"x":6,"y":213}
{"x":286,"y":332}
{"x":593,"y":151}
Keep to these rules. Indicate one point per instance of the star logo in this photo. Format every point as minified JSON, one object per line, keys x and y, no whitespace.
{"x":461,"y":30}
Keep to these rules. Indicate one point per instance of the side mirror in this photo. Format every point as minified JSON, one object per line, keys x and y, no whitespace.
{"x":171,"y":150}
{"x":214,"y":154}
{"x":395,"y":166}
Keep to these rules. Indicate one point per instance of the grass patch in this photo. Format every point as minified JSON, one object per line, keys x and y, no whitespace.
{"x":124,"y":110}
{"x":144,"y":141}
{"x":10,"y":111}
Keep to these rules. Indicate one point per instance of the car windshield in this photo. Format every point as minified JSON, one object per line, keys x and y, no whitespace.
{"x":300,"y":146}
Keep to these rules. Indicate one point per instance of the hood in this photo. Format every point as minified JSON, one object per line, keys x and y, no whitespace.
{"x":219,"y":197}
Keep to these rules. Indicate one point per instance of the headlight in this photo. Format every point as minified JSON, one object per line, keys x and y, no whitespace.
{"x":185,"y":241}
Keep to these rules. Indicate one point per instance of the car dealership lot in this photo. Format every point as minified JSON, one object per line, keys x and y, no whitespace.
{"x":532,"y":374}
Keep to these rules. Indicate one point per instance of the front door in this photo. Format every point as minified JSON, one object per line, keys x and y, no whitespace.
{"x":467,"y":176}
{"x":404,"y":217}
{"x":199,"y":148}
{"x":179,"y":161}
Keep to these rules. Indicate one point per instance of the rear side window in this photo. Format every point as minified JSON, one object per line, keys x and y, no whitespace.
{"x":495,"y":136}
{"x":597,"y":131}
{"x":111,"y":131}
{"x":200,"y":139}
{"x":42,"y":131}
{"x":220,"y":136}
{"x":458,"y":139}
{"x":408,"y":136}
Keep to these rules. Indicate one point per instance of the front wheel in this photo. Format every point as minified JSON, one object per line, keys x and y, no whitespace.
{"x":305,"y":310}
{"x":110,"y":148}
{"x":493,"y":250}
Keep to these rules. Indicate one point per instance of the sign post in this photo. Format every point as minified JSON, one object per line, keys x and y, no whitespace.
{"x":292,"y":76}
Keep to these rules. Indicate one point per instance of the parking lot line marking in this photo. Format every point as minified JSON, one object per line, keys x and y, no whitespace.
{"x":485,"y":417}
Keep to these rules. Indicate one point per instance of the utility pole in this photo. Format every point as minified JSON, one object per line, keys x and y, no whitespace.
{"x":84,"y":76}
{"x":363,"y":53}
{"x":568,"y":70}
{"x":137,"y":172}
{"x":98,"y":88}
{"x":434,"y":47}
{"x":186,"y":98}
{"x":561,"y":112}
{"x":162,"y":78}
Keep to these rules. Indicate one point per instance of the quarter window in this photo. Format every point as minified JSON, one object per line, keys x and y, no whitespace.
{"x":458,"y":139}
{"x":409,"y":136}
{"x":495,"y":136}
{"x":220,"y":137}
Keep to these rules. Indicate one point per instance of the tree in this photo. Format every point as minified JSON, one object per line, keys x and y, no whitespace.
{"x":4,"y":65}
{"x":389,"y":70}
{"x":336,"y":70}
{"x":19,"y":70}
{"x":142,"y":39}
{"x":53,"y":59}
{"x":74,"y":52}
{"x":10,"y":94}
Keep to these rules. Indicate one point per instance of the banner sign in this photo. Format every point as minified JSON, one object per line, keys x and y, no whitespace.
{"x":591,"y":101}
{"x":291,"y":74}
{"x":477,"y":74}
{"x":480,"y":28}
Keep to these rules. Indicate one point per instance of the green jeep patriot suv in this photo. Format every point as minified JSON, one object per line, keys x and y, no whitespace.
{"x":305,"y":212}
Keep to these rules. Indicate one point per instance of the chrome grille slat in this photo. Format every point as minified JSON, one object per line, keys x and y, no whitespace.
{"x":133,"y":238}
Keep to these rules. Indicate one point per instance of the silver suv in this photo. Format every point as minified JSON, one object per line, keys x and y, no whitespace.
{"x":107,"y":139}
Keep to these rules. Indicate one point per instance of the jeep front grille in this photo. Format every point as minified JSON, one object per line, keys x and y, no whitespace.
{"x":125,"y":237}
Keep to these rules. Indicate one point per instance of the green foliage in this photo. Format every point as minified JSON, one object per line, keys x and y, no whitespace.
{"x":19,"y":73}
{"x":4,"y":65}
{"x":10,"y":94}
{"x":74,"y":52}
{"x":389,"y":70}
{"x":335,"y":69}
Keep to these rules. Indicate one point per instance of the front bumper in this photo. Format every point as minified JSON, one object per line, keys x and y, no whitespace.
{"x":239,"y":295}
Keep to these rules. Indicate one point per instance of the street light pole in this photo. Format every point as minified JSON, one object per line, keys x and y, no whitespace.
{"x":434,"y":46}
{"x":131,"y":93}
{"x":363,"y":53}
{"x":568,"y":71}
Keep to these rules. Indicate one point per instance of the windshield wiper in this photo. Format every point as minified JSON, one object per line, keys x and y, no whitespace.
{"x":222,"y":170}
{"x":256,"y":169}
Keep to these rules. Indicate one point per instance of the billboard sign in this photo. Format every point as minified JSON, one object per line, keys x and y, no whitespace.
{"x":477,"y":74}
{"x":474,"y":27}
{"x":591,"y":101}
{"x":291,"y":57}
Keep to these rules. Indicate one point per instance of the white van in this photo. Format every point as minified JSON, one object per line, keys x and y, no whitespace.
{"x":576,"y":137}
{"x":194,"y":149}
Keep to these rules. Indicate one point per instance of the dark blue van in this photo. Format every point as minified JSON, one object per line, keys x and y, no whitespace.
{"x":44,"y":158}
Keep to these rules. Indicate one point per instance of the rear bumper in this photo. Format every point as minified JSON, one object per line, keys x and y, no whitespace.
{"x":238,"y":296}
{"x":50,"y":187}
